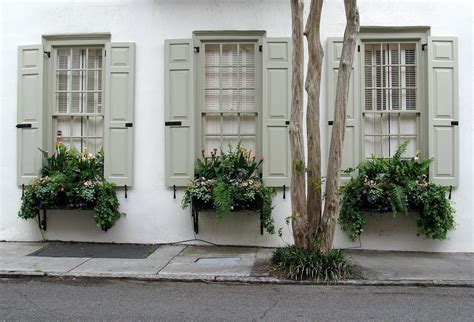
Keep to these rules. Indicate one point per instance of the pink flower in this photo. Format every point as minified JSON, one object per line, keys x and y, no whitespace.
{"x":262,"y":158}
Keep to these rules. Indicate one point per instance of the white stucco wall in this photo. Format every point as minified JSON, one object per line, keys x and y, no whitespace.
{"x":152,"y":214}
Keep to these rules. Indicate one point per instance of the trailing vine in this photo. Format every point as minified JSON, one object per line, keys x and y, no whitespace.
{"x":398,"y":185}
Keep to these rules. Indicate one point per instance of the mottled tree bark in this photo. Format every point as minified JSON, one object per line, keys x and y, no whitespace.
{"x":331,"y":206}
{"x":313,"y":88}
{"x":298,"y":192}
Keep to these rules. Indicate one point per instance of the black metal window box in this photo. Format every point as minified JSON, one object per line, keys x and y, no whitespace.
{"x":198,"y":206}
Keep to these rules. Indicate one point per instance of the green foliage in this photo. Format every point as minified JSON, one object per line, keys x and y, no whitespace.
{"x":301,"y":264}
{"x":72,"y":180}
{"x":229,"y":181}
{"x":396,"y":185}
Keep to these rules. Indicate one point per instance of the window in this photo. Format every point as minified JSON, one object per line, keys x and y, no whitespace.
{"x":403,"y":87}
{"x":78,"y":117}
{"x":230,"y":111}
{"x":78,"y":89}
{"x":223,"y":88}
{"x":390,"y":113}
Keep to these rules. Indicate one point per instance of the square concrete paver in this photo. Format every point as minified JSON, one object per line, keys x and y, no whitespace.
{"x":119,"y":266}
{"x":19,"y":249}
{"x":186,"y":263}
{"x":39,"y":264}
{"x":414,"y":265}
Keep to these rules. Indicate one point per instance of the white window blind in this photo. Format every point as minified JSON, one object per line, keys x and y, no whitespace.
{"x":391,"y":114}
{"x":78,"y":119}
{"x":230,"y":112}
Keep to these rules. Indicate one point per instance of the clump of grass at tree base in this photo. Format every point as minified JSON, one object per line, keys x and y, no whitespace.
{"x":72,"y":180}
{"x":397,"y":185}
{"x":301,"y":264}
{"x":229,"y":180}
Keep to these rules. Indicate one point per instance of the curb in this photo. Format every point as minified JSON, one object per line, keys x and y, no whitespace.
{"x":235,"y":279}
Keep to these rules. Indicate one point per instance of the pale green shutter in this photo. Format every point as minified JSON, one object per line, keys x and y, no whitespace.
{"x":29,"y":112}
{"x":119,"y":105}
{"x":276,"y":103}
{"x":179,"y":111}
{"x":352,"y":139}
{"x":443,"y":115}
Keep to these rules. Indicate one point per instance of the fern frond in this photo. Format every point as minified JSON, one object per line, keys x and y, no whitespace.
{"x":401,"y":149}
{"x":398,"y":199}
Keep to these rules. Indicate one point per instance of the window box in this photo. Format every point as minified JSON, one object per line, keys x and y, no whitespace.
{"x":71,"y":180}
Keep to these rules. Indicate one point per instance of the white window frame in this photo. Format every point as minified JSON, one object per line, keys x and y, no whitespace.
{"x":201,"y":37}
{"x":50,"y":42}
{"x":419,"y":36}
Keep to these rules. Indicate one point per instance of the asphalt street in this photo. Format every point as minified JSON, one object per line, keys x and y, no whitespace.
{"x":100,"y":299}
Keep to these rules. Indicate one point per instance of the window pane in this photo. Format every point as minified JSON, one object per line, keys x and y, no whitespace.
{"x":212,"y":124}
{"x":230,"y":124}
{"x":248,"y":123}
{"x":212,"y":78}
{"x":212,"y":54}
{"x":212,"y":100}
{"x":229,"y":55}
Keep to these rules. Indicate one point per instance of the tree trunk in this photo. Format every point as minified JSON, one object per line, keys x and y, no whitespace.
{"x":313,"y":88}
{"x":298,"y":191}
{"x":331,"y":207}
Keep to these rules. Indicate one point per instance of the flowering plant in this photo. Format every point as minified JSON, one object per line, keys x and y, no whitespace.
{"x":396,"y":185}
{"x":229,"y":181}
{"x":72,"y":179}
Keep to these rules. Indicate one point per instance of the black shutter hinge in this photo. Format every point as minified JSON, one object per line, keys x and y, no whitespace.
{"x":423,"y":46}
{"x":358,"y":48}
{"x":454,"y":122}
{"x":47,"y":53}
{"x":128,"y":124}
{"x":105,"y":53}
{"x":196,"y":50}
{"x":330,"y":122}
{"x":125,"y":187}
{"x":22,"y":125}
{"x":260,"y":48}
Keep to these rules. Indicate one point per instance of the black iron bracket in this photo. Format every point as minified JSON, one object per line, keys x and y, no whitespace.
{"x":195,"y":217}
{"x":454,"y":122}
{"x":42,"y":221}
{"x":47,"y":53}
{"x":23,"y":125}
{"x":22,"y":191}
{"x":358,"y":48}
{"x":128,"y":124}
{"x":174,"y":191}
{"x":450,"y":190}
{"x":260,"y":48}
{"x":423,"y":46}
{"x":125,"y":191}
{"x":284,"y":191}
{"x":330,"y":122}
{"x":196,"y":50}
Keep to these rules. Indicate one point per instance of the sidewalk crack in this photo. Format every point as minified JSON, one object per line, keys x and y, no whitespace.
{"x":79,"y":265}
{"x":166,"y":265}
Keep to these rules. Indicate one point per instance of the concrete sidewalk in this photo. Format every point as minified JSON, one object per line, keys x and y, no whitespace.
{"x":236,"y":264}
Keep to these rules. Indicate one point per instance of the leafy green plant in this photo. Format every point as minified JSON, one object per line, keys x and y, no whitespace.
{"x":230,"y":181}
{"x":72,"y":180}
{"x":302,"y":264}
{"x":398,"y":185}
